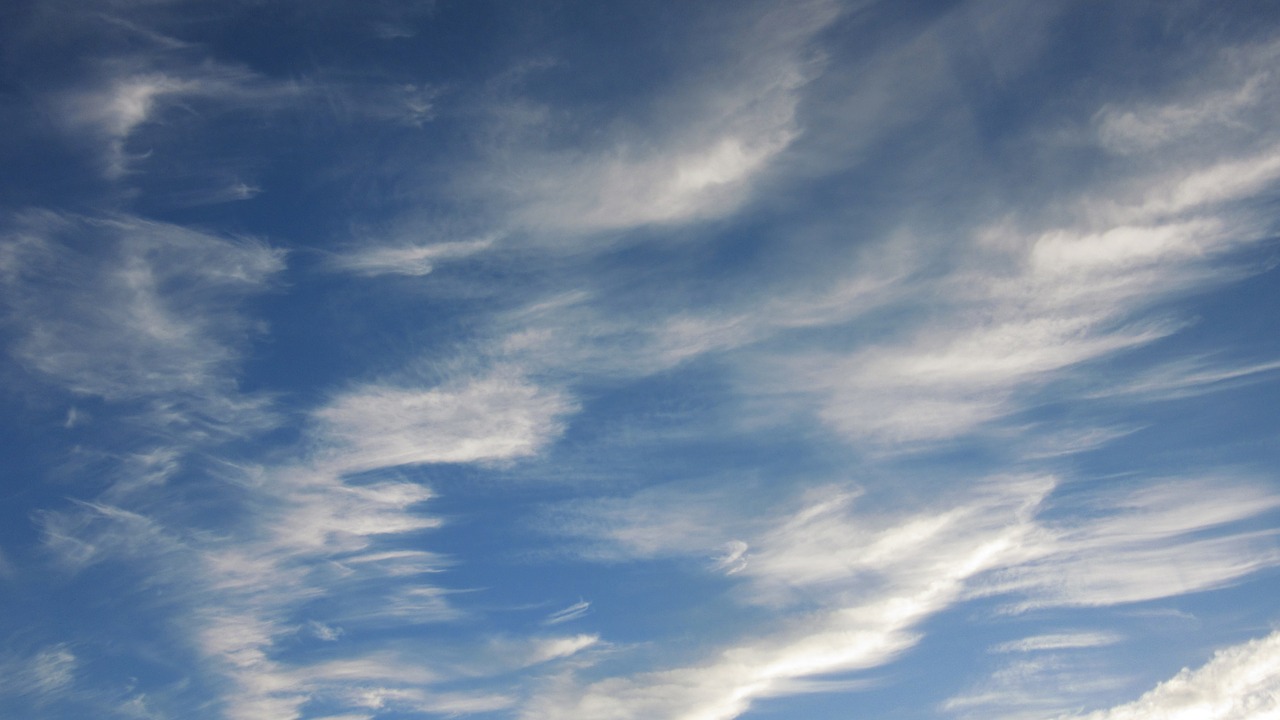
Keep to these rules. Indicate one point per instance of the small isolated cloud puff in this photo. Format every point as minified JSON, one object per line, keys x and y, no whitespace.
{"x":498,"y":417}
{"x":1239,"y":683}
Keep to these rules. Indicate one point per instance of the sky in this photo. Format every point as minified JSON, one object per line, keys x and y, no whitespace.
{"x":580,"y":360}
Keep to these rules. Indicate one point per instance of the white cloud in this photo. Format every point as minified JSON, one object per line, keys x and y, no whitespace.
{"x":324,"y":632}
{"x":319,"y":529}
{"x":1026,"y":310}
{"x":414,"y":260}
{"x":304,"y":534}
{"x":406,"y":104}
{"x":602,"y":193}
{"x":573,"y":612}
{"x":323,"y":513}
{"x":1161,"y":540}
{"x":711,"y":136}
{"x":131,"y":92}
{"x":849,"y":585}
{"x":1220,"y":182}
{"x":317,"y":548}
{"x":129,"y":309}
{"x":399,"y":563}
{"x":145,"y":313}
{"x":46,"y":673}
{"x":1124,"y":544}
{"x":1002,"y":309}
{"x":312,"y":536}
{"x":115,"y":104}
{"x":222,"y":187}
{"x":873,"y":583}
{"x":116,"y":110}
{"x":652,"y":523}
{"x":734,"y":558}
{"x":1239,"y":683}
{"x":1189,"y":377}
{"x":1068,"y":441}
{"x":53,"y":669}
{"x":1036,"y":687}
{"x":1031,"y":301}
{"x":580,"y":333}
{"x":310,"y":530}
{"x":92,"y":532}
{"x":386,"y":667}
{"x":501,"y":416}
{"x":831,"y":549}
{"x":1046,"y":675}
{"x":1232,"y":95}
{"x":1058,"y":641}
{"x":547,"y":649}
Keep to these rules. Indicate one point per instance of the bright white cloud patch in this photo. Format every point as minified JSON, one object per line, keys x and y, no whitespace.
{"x":498,"y":417}
{"x":1239,"y":683}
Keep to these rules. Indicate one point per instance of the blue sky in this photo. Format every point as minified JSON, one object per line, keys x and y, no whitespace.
{"x":612,"y":360}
